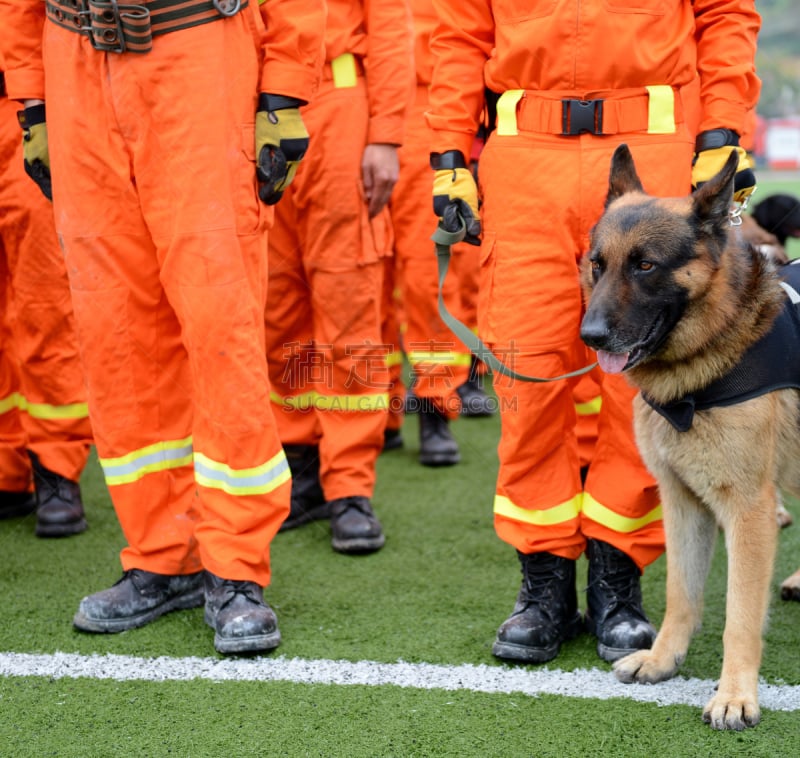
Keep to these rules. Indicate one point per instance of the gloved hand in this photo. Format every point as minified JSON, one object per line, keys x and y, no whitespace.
{"x":34,"y":147}
{"x":455,"y":194}
{"x":281,"y":143}
{"x":712,"y":149}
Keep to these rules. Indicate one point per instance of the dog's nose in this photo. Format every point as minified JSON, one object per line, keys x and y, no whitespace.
{"x":594,"y":331}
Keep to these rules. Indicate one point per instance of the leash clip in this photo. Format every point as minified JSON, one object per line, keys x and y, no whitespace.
{"x":737,"y":208}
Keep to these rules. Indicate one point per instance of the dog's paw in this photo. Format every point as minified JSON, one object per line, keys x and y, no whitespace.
{"x":732,"y":711}
{"x":644,"y":667}
{"x":790,"y":588}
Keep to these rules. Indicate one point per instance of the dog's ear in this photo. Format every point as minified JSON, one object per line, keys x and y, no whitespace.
{"x":712,"y":200}
{"x":622,"y":177}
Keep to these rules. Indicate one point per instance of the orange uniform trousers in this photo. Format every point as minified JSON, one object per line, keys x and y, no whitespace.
{"x":439,"y":360}
{"x":541,"y":196}
{"x":328,"y":366}
{"x":156,"y":203}
{"x":393,"y":326}
{"x":42,"y":390}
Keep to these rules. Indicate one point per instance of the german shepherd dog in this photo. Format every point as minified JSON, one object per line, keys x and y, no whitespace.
{"x":677,"y":303}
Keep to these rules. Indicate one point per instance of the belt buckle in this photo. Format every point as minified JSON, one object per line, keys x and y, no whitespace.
{"x":581,"y":117}
{"x":227,"y":8}
{"x":105,"y":38}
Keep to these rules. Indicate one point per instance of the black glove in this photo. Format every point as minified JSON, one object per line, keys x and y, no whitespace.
{"x":712,"y":149}
{"x":281,"y":143}
{"x":34,"y":147}
{"x":455,"y":195}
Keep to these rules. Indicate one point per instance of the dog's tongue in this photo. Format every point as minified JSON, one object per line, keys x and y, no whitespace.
{"x":612,"y":363}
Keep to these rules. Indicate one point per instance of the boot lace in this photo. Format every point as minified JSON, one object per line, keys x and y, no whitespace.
{"x":230,"y":588}
{"x":615,"y":580}
{"x":538,"y":582}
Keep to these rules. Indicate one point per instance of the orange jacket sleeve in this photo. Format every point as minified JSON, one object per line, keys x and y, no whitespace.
{"x":390,"y":68}
{"x":563,"y":48}
{"x":380,"y":34}
{"x":21,"y":41}
{"x":462,"y":43}
{"x":727,"y":32}
{"x":293,"y":45}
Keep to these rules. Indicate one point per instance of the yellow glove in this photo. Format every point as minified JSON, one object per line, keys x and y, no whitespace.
{"x":455,"y":195}
{"x":35,"y":151}
{"x":281,"y":143}
{"x":712,"y":149}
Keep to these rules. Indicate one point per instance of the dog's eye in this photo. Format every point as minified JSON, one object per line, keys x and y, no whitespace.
{"x":646,"y":265}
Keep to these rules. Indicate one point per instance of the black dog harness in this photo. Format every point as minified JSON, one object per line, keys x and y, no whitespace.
{"x":772,"y":363}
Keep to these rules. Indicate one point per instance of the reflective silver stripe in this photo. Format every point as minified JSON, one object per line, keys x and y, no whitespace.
{"x":158,"y":457}
{"x":250,"y":481}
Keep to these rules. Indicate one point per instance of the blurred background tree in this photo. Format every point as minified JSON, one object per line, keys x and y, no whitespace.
{"x":778,"y":58}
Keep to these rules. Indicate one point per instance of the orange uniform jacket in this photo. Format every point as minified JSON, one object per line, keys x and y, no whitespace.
{"x":543,"y":187}
{"x":509,"y":45}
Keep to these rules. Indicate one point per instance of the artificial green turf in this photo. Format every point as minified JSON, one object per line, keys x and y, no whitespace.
{"x":89,"y":719}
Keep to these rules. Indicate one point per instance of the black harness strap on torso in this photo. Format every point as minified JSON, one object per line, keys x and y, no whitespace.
{"x":770,"y":364}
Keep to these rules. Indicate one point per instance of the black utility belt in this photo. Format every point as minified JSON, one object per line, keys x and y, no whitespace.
{"x":130,"y":27}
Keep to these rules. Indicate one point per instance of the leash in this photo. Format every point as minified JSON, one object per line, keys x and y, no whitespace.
{"x":444,"y":240}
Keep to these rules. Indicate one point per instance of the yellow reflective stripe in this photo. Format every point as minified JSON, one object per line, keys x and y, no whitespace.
{"x":558,"y":514}
{"x":661,"y":109}
{"x":623,"y":524}
{"x":415,"y":358}
{"x":302,"y":401}
{"x":379,"y":402}
{"x":344,"y":71}
{"x":12,"y":401}
{"x":591,"y":408}
{"x":43,"y":410}
{"x":394,"y":358}
{"x":248,"y":481}
{"x":158,"y":457}
{"x":507,"y":112}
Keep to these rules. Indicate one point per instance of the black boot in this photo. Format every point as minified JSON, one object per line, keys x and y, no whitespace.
{"x":14,"y":504}
{"x":474,"y":400}
{"x":241,"y":619}
{"x":138,"y":598}
{"x":354,"y":526}
{"x":437,"y":446}
{"x":308,"y":500}
{"x":392,"y":439}
{"x":59,"y":510}
{"x":614,"y":612}
{"x":546,"y":613}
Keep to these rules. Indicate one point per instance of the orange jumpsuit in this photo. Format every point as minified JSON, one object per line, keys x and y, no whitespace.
{"x":674,"y":66}
{"x":439,"y":360}
{"x":155,"y":198}
{"x":42,"y":390}
{"x":328,"y":365}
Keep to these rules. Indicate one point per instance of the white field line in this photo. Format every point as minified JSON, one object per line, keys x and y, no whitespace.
{"x":589,"y":684}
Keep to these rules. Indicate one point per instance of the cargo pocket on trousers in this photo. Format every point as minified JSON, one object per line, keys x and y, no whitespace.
{"x":377,"y":237}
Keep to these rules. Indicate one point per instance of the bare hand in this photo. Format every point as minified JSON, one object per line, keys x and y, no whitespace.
{"x":379,"y":170}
